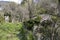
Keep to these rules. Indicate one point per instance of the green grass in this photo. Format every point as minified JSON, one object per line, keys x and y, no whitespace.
{"x":9,"y":31}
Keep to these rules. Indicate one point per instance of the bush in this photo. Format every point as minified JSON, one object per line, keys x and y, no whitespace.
{"x":29,"y":24}
{"x":37,"y":20}
{"x":54,"y":18}
{"x":1,"y":19}
{"x":9,"y":31}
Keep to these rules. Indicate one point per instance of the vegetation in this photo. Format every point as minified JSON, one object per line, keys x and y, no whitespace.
{"x":1,"y":19}
{"x":30,"y":20}
{"x":9,"y":31}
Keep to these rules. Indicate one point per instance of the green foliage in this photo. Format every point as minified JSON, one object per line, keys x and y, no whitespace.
{"x":1,"y":19}
{"x":37,"y":20}
{"x":29,"y":24}
{"x":54,"y":18}
{"x":40,"y":10}
{"x":46,"y":23}
{"x":22,"y":35}
{"x":23,"y":1}
{"x":46,"y":32}
{"x":25,"y":34}
{"x":9,"y":31}
{"x":30,"y":36}
{"x":46,"y":28}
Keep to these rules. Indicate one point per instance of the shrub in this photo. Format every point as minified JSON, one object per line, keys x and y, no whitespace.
{"x":9,"y":31}
{"x":54,"y":18}
{"x":37,"y":20}
{"x":1,"y":19}
{"x":29,"y":24}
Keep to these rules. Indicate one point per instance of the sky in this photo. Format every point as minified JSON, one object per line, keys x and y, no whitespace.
{"x":16,"y":1}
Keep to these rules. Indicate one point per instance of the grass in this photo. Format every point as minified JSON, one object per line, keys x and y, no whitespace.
{"x":9,"y":31}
